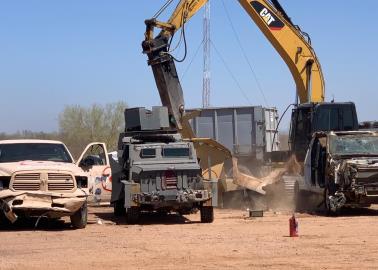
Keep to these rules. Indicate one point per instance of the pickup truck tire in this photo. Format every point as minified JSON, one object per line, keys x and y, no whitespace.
{"x":119,"y":208}
{"x":329,"y":212}
{"x":133,"y":215}
{"x":207,"y":214}
{"x":80,"y":217}
{"x":3,"y":219}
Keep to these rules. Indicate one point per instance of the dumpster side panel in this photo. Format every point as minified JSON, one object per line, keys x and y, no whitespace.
{"x":246,"y":131}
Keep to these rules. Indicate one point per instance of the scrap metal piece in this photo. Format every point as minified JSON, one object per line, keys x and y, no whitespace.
{"x":254,"y":183}
{"x":12,"y":217}
{"x":256,"y":213}
{"x":337,"y":201}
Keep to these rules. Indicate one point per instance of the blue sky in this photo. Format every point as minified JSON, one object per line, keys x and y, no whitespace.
{"x":57,"y":53}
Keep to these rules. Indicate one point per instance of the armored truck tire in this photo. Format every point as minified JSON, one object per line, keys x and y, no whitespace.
{"x":133,"y":215}
{"x":207,"y":214}
{"x":119,"y":208}
{"x":80,"y":218}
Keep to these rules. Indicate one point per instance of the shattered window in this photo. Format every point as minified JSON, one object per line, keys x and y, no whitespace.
{"x":95,"y":155}
{"x":346,"y":145}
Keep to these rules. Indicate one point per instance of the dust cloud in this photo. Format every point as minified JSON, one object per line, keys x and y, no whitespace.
{"x":267,"y":192}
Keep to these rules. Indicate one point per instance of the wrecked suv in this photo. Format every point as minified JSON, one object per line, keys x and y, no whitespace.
{"x":341,"y":167}
{"x":39,"y":178}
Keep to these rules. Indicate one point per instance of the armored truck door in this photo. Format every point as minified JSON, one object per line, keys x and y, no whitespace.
{"x":95,"y":161}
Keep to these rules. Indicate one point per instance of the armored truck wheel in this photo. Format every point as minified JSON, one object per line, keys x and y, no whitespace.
{"x":132,"y":215}
{"x":207,"y":214}
{"x":80,"y":217}
{"x":119,"y":208}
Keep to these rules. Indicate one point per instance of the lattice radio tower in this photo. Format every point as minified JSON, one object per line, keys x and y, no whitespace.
{"x":206,"y":87}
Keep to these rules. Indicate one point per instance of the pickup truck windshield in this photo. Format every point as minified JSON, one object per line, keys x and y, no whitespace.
{"x":34,"y":151}
{"x":347,"y":145}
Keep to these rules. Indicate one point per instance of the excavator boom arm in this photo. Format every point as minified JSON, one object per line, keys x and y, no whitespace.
{"x":292,"y":46}
{"x":272,"y":20}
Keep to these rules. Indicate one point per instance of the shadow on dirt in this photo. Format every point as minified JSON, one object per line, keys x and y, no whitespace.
{"x":146,"y":218}
{"x":345,"y":212}
{"x":29,"y":224}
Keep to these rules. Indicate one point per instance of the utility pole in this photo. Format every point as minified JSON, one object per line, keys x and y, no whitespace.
{"x":206,"y":87}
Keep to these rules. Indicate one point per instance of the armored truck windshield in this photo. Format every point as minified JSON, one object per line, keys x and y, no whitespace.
{"x":162,"y":151}
{"x":175,"y":152}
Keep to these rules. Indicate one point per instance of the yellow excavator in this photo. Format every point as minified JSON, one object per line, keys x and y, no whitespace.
{"x":310,"y":112}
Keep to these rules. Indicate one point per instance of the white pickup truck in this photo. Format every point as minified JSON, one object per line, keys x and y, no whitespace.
{"x":41,"y":178}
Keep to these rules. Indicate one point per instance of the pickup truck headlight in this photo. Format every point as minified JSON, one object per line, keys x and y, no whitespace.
{"x":4,"y":182}
{"x":81,"y":181}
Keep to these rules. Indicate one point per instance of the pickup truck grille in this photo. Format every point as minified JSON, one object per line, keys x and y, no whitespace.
{"x":55,"y":182}
{"x":59,"y":181}
{"x":27,"y":177}
{"x":27,"y":181}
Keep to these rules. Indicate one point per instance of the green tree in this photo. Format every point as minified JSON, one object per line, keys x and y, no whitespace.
{"x":27,"y":134}
{"x":80,"y":125}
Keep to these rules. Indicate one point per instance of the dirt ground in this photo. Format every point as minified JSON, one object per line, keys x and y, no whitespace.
{"x":233,"y":241}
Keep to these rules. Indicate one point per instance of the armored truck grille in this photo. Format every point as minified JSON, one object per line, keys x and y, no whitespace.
{"x":59,"y":181}
{"x":170,"y":180}
{"x":27,"y":181}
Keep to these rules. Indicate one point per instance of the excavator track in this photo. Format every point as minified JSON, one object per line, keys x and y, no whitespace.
{"x":289,"y":183}
{"x":289,"y":186}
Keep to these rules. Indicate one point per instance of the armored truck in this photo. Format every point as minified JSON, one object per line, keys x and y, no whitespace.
{"x":158,"y":171}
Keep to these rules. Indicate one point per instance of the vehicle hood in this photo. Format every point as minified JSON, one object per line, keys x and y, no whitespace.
{"x":7,"y":169}
{"x":361,"y":162}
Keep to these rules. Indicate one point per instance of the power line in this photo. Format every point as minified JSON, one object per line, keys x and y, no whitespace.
{"x":244,"y":53}
{"x":161,"y":10}
{"x":191,"y":61}
{"x":231,"y":74}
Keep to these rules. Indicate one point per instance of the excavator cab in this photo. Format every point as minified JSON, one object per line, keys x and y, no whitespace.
{"x":308,"y":118}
